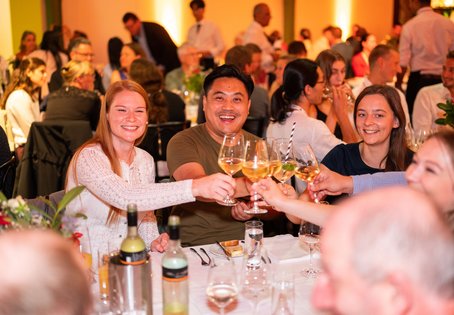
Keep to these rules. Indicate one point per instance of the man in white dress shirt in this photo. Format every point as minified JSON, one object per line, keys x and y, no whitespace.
{"x":424,"y":42}
{"x":384,"y":65}
{"x":426,"y":111}
{"x":388,"y":255}
{"x":205,"y":35}
{"x":255,"y":33}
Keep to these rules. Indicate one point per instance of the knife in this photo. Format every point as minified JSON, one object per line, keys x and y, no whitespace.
{"x":223,"y":249}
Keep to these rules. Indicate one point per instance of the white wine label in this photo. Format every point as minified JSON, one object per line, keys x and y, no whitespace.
{"x":133,"y":258}
{"x":178,"y":274}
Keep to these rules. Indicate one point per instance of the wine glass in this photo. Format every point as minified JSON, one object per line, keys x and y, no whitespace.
{"x":222,"y":289}
{"x":307,"y":165}
{"x":255,"y":167}
{"x":230,"y":159}
{"x":309,"y":234}
{"x":255,"y":284}
{"x":284,"y":153}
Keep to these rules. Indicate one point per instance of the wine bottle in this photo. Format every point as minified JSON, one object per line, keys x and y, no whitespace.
{"x":133,"y":250}
{"x":175,"y":273}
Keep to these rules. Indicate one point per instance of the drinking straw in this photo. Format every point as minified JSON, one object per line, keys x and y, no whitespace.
{"x":290,"y":142}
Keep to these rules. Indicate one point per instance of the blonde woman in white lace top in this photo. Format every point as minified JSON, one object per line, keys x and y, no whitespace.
{"x":116,"y":173}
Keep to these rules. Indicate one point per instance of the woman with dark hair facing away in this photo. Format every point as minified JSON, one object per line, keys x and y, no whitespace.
{"x":114,"y":46}
{"x":129,"y":53}
{"x":116,"y":173}
{"x":21,"y":99}
{"x":75,"y":100}
{"x":380,"y":122}
{"x":333,"y":67}
{"x":165,"y":105}
{"x":52,"y":53}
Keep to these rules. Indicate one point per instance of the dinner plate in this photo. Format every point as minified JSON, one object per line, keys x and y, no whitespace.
{"x":217,"y":251}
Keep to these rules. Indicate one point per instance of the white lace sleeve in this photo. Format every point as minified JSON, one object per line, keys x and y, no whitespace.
{"x":94,"y":172}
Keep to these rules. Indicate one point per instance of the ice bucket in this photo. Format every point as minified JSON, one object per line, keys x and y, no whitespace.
{"x":130,"y":288}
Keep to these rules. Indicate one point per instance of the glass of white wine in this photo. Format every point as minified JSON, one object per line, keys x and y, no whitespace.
{"x":222,"y":287}
{"x":286,"y":157}
{"x":309,"y":234}
{"x":255,"y":167}
{"x":307,"y":165}
{"x":230,"y":159}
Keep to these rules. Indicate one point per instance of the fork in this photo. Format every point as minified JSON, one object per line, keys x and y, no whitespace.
{"x":209,"y":258}
{"x":204,"y":263}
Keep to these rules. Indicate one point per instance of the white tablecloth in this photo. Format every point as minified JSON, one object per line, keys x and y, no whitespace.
{"x":284,"y":252}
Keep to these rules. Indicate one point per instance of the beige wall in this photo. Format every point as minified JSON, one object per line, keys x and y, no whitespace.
{"x":375,"y":16}
{"x":101,"y":19}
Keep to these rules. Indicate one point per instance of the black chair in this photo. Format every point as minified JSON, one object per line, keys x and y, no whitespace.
{"x":155,"y":143}
{"x":7,"y":176}
{"x":255,"y":125}
{"x":47,"y":153}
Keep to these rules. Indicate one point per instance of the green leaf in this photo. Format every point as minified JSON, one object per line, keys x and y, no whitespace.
{"x":288,"y":167}
{"x":440,"y":121}
{"x":445,"y":107}
{"x":2,"y":196}
{"x":69,"y":196}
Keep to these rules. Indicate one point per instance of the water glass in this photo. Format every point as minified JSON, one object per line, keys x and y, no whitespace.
{"x":253,"y":243}
{"x":283,"y":293}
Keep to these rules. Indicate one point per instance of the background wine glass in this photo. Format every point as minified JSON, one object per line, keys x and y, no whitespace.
{"x":222,"y":289}
{"x":309,"y":234}
{"x":255,"y":167}
{"x":230,"y":159}
{"x":307,"y":165}
{"x":287,"y":166}
{"x":255,"y":285}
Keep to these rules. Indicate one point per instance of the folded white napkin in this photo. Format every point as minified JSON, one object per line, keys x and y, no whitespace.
{"x":286,"y":248}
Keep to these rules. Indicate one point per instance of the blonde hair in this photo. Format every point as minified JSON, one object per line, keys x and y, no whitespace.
{"x":75,"y":69}
{"x":103,"y":133}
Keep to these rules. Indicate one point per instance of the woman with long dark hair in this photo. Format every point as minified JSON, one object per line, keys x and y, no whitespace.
{"x":380,"y":121}
{"x":51,"y":51}
{"x":21,"y":99}
{"x":334,"y":68}
{"x":165,"y":105}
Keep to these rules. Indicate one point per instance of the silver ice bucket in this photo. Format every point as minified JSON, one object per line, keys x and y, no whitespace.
{"x":130,"y":288}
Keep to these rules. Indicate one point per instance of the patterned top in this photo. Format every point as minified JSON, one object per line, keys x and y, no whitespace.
{"x":104,"y":188}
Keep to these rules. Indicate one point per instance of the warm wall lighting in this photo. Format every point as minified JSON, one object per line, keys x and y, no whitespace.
{"x":343,"y":11}
{"x":169,"y":14}
{"x":442,"y":3}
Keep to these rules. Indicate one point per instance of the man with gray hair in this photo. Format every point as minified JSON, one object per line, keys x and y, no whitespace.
{"x":42,"y":274}
{"x":80,"y":49}
{"x":392,"y":255}
{"x":189,"y":58}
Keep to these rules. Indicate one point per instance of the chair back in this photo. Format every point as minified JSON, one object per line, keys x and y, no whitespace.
{"x":156,"y":140}
{"x":255,"y":125}
{"x":47,"y":153}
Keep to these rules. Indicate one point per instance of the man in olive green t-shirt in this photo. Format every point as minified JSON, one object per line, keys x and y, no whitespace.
{"x":193,"y":153}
